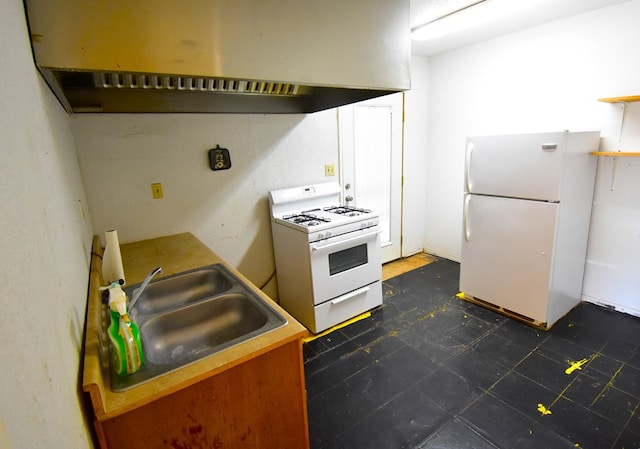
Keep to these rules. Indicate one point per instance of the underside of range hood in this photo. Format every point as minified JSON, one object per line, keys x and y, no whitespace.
{"x":242,"y":56}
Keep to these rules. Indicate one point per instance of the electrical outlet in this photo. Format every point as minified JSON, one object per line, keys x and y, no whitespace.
{"x":329,"y":170}
{"x":156,"y":190}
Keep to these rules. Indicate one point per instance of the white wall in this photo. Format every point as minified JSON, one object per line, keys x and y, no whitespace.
{"x":612,"y":276}
{"x":415,"y":158}
{"x":46,"y":245}
{"x":543,"y":79}
{"x":121,"y":155}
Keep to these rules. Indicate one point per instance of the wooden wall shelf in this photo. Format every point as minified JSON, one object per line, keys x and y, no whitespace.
{"x":627,"y":99}
{"x":616,"y":153}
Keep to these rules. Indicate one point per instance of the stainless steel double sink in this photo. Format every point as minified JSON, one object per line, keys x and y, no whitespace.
{"x":187,"y":316}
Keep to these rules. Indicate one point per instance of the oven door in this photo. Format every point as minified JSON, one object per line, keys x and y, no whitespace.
{"x":345,"y":263}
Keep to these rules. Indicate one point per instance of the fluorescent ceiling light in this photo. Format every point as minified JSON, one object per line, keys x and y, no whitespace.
{"x":475,"y":15}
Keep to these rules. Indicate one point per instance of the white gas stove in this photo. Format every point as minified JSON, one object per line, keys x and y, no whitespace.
{"x":315,"y":210}
{"x":327,"y":255}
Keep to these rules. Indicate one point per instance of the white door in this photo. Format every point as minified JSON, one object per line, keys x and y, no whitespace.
{"x":371,"y":164}
{"x":507,"y":252}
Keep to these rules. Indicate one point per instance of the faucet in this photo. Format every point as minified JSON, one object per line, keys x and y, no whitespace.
{"x":138,"y":291}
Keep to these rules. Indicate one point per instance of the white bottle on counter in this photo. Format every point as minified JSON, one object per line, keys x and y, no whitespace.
{"x":112,"y":270}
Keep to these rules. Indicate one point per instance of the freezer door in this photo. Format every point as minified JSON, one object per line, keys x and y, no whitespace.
{"x":518,"y":166}
{"x":507,"y":251}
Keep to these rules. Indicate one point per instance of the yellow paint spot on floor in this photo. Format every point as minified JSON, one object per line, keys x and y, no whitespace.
{"x":575,"y":365}
{"x":544,"y":410}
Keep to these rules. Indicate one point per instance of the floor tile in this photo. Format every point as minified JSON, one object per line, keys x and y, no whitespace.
{"x":414,"y":416}
{"x":373,"y":431}
{"x":580,"y":425}
{"x":598,"y":318}
{"x":629,"y":332}
{"x":498,"y":423}
{"x":384,"y":346}
{"x":585,"y":389}
{"x":628,"y":440}
{"x":450,"y":391}
{"x":479,"y":312}
{"x":408,"y":365}
{"x":457,"y":435}
{"x":623,"y":351}
{"x":543,"y":438}
{"x":377,"y":384}
{"x":585,"y":336}
{"x":521,"y":334}
{"x":386,"y":312}
{"x":634,"y":423}
{"x":604,"y":365}
{"x":347,"y":366}
{"x":628,"y":380}
{"x":615,"y":405}
{"x":503,"y":351}
{"x":475,"y":368}
{"x":335,"y":411}
{"x":561,"y":350}
{"x":523,"y":394}
{"x":545,"y":371}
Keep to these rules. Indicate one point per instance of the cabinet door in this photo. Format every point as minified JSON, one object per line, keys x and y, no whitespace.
{"x":507,"y":250}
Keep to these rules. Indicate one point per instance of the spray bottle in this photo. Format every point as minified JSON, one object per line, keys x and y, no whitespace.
{"x":124,"y":338}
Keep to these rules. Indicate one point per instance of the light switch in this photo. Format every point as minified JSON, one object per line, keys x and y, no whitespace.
{"x":156,"y":189}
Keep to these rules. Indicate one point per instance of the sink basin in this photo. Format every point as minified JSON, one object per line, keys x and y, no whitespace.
{"x":191,"y":315}
{"x":187,"y":333}
{"x":182,"y":288}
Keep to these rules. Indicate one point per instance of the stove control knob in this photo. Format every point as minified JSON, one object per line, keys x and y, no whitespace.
{"x":320,"y":235}
{"x":328,"y":234}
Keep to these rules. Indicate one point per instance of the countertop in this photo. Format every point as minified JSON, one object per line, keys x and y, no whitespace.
{"x":175,"y":253}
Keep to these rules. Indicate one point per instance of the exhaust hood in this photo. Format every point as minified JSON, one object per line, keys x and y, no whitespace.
{"x":228,"y":56}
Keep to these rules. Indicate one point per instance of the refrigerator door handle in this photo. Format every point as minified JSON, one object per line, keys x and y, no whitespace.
{"x":467,"y":165}
{"x":465,"y":216}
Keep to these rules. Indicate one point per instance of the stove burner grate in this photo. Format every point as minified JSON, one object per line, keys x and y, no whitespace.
{"x":305,"y":219}
{"x":349,"y":211}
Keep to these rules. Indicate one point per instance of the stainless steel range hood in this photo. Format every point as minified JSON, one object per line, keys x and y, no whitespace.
{"x":232,"y":56}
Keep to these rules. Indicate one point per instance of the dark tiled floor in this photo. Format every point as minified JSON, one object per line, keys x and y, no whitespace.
{"x":428,"y":370}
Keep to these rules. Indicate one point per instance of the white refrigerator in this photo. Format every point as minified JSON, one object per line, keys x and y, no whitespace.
{"x":527,"y":208}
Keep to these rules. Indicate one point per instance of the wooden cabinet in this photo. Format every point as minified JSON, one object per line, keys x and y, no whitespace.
{"x":257,"y":404}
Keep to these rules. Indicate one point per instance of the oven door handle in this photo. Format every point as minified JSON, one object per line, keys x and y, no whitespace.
{"x":351,"y":295}
{"x":366,"y":236}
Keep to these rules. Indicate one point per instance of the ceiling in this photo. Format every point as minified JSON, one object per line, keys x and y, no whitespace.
{"x":535,"y":12}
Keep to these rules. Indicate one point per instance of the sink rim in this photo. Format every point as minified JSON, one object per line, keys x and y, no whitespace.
{"x":151,"y":371}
